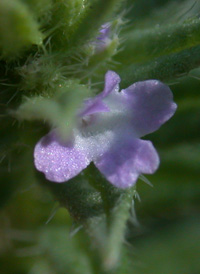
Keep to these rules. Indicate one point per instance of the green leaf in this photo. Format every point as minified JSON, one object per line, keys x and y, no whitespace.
{"x":18,"y":29}
{"x":41,"y":9}
{"x":145,"y":44}
{"x":66,"y":17}
{"x":78,"y":196}
{"x":165,"y":68}
{"x":59,"y":111}
{"x":161,"y":12}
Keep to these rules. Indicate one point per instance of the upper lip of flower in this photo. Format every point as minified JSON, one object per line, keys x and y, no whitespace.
{"x":114,"y":121}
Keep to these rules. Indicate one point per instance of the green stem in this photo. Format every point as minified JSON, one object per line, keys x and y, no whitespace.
{"x":109,"y":193}
{"x":108,"y":239}
{"x":120,"y":215}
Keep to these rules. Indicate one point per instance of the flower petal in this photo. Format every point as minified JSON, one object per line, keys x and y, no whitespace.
{"x":96,"y":104}
{"x":151,"y":103}
{"x":112,"y":81}
{"x":60,"y":162}
{"x":104,"y":31}
{"x":125,"y":161}
{"x":92,"y":106}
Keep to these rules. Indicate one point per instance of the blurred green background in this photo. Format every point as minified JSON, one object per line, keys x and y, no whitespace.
{"x":37,"y":236}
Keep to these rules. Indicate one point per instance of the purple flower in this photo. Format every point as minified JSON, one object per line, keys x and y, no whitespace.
{"x":108,"y":133}
{"x":104,"y":32}
{"x":103,"y":40}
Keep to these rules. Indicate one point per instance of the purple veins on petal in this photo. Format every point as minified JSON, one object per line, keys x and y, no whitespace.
{"x":107,"y":133}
